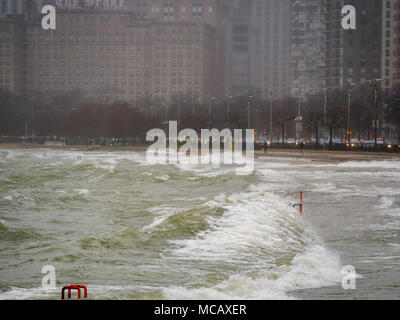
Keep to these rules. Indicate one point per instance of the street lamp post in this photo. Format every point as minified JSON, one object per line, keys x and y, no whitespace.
{"x":348,"y":117}
{"x":32,"y":118}
{"x":326,"y":132}
{"x":248,"y":111}
{"x":299,"y":120}
{"x":375,"y":87}
{"x":299,"y":113}
{"x":228,"y":115}
{"x":166,"y":113}
{"x":210,"y":112}
{"x":179,"y":112}
{"x":376,"y":116}
{"x":270,"y":116}
{"x":271,"y":96}
{"x":193,"y":110}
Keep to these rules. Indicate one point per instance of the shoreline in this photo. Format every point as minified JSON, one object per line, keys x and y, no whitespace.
{"x":72,"y":148}
{"x":313,"y":155}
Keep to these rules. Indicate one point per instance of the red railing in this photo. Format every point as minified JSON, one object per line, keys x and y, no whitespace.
{"x":74,"y":287}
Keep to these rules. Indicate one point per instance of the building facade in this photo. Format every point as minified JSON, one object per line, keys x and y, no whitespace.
{"x":274,"y":46}
{"x":128,"y":52}
{"x":354,"y":56}
{"x":334,"y":41}
{"x":8,"y":7}
{"x":395,"y":42}
{"x":12,"y":54}
{"x":240,"y":40}
{"x":132,"y":50}
{"x":307,"y":58}
{"x":387,"y":45}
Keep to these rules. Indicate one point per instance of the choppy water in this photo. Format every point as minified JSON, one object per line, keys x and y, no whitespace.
{"x":129,"y":230}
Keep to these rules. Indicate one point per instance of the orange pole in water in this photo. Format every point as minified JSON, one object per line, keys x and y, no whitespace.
{"x":301,"y":203}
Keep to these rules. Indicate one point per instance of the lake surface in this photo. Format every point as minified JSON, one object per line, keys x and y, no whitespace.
{"x":130,"y":230}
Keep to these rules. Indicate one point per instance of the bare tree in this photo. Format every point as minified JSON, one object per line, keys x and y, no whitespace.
{"x":393,"y":109}
{"x":284,"y":113}
{"x":314,"y":115}
{"x":335,"y":112}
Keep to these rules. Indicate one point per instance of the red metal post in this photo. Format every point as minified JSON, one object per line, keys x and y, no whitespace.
{"x":301,"y":203}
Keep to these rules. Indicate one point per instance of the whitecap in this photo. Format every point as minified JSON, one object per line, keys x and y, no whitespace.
{"x":385,"y":203}
{"x":82,"y":192}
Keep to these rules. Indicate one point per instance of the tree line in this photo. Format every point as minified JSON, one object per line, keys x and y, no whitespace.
{"x":65,"y":116}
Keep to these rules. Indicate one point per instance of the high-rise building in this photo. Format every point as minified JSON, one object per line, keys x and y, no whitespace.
{"x":9,"y":7}
{"x":353,"y":56}
{"x":274,"y":45}
{"x":307,"y":58}
{"x":12,"y":46}
{"x":334,"y":41}
{"x":387,"y":45}
{"x":395,"y":52}
{"x":131,"y":50}
{"x":240,"y":40}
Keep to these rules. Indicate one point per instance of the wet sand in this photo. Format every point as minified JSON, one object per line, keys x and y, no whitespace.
{"x":329,"y":156}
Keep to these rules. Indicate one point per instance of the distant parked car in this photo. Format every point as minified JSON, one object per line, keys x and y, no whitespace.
{"x":261,"y":140}
{"x":392,"y":144}
{"x":355,"y":143}
{"x":336,"y":141}
{"x":369,"y":144}
{"x":291,"y":141}
{"x":392,"y":141}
